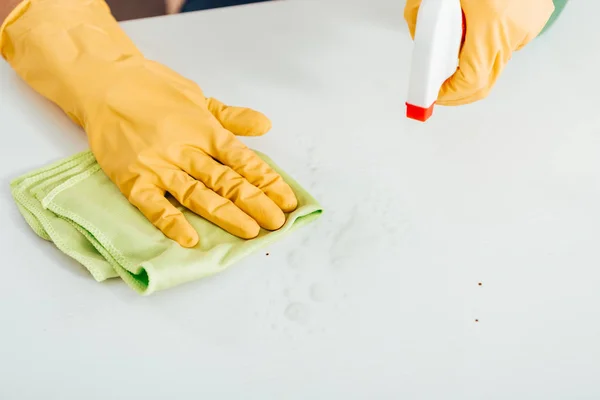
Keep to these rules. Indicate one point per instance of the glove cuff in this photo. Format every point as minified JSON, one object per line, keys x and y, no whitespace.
{"x":15,"y":14}
{"x":69,"y":51}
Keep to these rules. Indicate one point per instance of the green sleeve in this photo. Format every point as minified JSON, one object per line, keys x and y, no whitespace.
{"x":559,"y":5}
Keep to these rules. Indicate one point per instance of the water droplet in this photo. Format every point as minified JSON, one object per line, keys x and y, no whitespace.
{"x":297,"y":312}
{"x":318,"y":292}
{"x":294,"y":260}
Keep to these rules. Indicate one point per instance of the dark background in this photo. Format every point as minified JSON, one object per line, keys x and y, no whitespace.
{"x":132,"y":9}
{"x":124,"y":10}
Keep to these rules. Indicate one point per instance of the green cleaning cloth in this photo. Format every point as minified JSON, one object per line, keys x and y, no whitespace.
{"x":73,"y":204}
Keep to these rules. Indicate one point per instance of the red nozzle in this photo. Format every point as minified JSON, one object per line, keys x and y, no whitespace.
{"x":419,"y":113}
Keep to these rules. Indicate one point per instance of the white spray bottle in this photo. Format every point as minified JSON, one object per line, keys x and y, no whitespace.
{"x":437,"y":42}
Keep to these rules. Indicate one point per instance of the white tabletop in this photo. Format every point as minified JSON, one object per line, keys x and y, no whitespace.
{"x":379,"y":298}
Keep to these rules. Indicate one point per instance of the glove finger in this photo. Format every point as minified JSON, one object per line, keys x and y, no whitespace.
{"x":151,"y":201}
{"x":479,"y":67}
{"x":230,"y":185}
{"x":239,"y":120}
{"x":479,"y":95}
{"x":248,"y":164}
{"x":195,"y":196}
{"x":411,"y":9}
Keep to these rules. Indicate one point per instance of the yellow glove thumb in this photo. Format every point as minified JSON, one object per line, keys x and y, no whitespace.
{"x":239,"y":120}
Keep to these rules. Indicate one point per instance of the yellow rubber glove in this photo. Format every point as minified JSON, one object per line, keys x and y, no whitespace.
{"x":494,"y":30}
{"x":152,"y":131}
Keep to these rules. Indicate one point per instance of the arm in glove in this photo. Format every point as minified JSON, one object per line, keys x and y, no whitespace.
{"x":152,"y":131}
{"x":494,"y":30}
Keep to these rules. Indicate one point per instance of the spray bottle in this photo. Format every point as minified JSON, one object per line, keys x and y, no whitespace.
{"x":438,"y":37}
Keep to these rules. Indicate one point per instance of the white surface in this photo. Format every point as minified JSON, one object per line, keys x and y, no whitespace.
{"x":434,"y":57}
{"x":379,"y":298}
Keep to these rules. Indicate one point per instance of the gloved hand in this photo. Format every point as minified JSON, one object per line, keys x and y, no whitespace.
{"x":151,"y":130}
{"x":494,"y":30}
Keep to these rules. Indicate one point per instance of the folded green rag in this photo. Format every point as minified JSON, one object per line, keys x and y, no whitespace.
{"x":73,"y":204}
